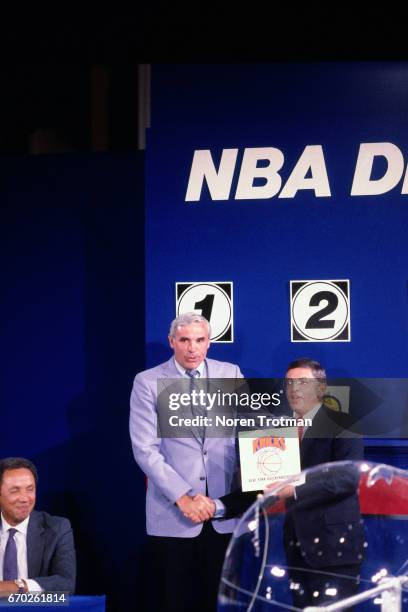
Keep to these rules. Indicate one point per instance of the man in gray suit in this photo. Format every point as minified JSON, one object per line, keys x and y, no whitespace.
{"x":36,"y":549}
{"x":186,"y":477}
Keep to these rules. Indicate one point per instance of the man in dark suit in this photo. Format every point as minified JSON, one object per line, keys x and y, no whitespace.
{"x":323,"y":535}
{"x":36,"y":549}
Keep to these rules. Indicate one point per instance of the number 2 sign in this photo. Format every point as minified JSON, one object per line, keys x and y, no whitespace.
{"x":320,"y":311}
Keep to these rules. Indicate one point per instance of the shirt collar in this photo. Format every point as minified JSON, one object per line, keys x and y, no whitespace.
{"x":309,"y":415}
{"x":182,"y":371}
{"x":21,"y":527}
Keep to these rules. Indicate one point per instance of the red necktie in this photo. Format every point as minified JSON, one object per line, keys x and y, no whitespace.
{"x":300,"y":433}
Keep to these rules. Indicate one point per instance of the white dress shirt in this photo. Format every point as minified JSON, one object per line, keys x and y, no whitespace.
{"x":309,"y":415}
{"x":200,"y":369}
{"x":20,"y":538}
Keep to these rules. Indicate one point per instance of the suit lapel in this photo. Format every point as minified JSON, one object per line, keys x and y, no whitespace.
{"x":211,"y":366}
{"x":35,"y":544}
{"x":305,"y":447}
{"x":314,"y":435}
{"x":169,"y":370}
{"x":307,"y":442}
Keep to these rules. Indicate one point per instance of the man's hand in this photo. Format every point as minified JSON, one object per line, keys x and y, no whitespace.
{"x":284,"y":493}
{"x":287,"y":491}
{"x":198,"y":508}
{"x":206,"y":503}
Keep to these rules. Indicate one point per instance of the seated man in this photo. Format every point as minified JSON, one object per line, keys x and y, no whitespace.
{"x":36,"y":549}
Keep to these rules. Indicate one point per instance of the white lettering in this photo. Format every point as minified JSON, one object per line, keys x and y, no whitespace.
{"x":211,"y":397}
{"x":234,"y":422}
{"x":312,"y":159}
{"x":362,"y":182}
{"x":405,"y":183}
{"x":259,"y":176}
{"x":219,"y":183}
{"x":246,"y":190}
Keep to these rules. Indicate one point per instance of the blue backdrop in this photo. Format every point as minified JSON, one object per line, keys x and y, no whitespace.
{"x":73,"y":274}
{"x":262,"y":244}
{"x":72,"y":340}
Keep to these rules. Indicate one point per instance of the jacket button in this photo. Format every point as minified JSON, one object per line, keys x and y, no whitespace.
{"x":204,"y":452}
{"x":202,"y":477}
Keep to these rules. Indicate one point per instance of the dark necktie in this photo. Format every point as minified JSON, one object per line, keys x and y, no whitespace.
{"x":10,"y":569}
{"x":197,"y":409}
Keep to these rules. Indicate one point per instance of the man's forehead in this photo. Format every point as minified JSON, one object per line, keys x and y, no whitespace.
{"x":17,"y":477}
{"x":193,"y":329}
{"x":303,"y":372}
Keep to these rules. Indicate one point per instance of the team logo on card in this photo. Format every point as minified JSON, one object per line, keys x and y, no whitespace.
{"x":320,"y":311}
{"x":212,"y":300}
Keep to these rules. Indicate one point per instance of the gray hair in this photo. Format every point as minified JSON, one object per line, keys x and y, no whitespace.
{"x":186,"y":319}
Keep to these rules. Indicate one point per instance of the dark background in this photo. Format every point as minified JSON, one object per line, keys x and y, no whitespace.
{"x":72,"y":239}
{"x":72,"y":340}
{"x":48,"y":57}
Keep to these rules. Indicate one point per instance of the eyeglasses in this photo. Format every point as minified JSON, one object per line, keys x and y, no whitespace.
{"x":299,"y":382}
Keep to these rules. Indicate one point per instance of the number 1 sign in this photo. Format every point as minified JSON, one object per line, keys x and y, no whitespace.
{"x":213,"y":300}
{"x":320,"y":311}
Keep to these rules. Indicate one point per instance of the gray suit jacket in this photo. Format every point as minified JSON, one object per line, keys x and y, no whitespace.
{"x":50,"y":552}
{"x":176,"y":466}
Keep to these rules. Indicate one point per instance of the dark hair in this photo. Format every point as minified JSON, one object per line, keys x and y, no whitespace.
{"x":15,"y":463}
{"x":304,"y":362}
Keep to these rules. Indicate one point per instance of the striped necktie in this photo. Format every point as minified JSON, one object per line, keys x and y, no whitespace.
{"x":197,"y":409}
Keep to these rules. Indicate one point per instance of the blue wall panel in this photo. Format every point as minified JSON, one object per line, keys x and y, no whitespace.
{"x":72,"y":339}
{"x":263,"y":244}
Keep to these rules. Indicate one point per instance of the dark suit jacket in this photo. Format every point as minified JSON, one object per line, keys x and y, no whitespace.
{"x":50,"y":552}
{"x":325,"y":516}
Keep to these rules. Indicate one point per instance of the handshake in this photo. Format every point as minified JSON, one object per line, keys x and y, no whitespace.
{"x":198,"y":508}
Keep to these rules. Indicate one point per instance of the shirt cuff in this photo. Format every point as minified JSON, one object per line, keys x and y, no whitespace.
{"x":33,"y":586}
{"x":219,"y":508}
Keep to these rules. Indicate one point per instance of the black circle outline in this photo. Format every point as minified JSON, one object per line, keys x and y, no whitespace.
{"x":330,"y":284}
{"x":219,"y":289}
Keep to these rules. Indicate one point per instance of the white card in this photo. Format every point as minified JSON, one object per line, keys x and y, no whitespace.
{"x":268,"y":456}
